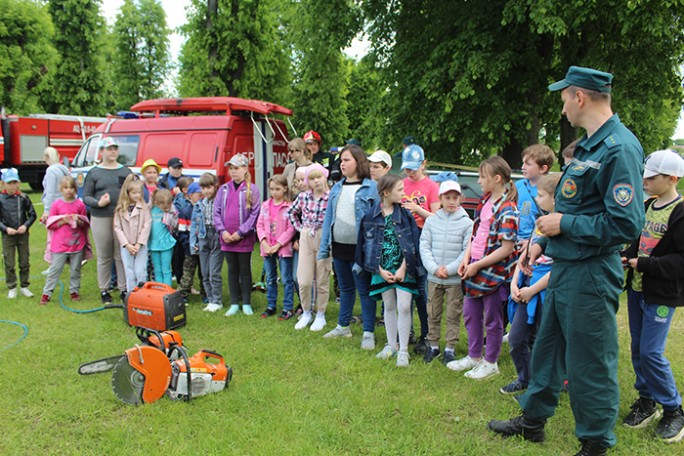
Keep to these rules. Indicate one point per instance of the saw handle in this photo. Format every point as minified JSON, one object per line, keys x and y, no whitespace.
{"x":186,"y":360}
{"x":211,"y":354}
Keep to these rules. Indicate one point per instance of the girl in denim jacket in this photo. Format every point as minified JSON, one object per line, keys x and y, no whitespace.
{"x":388,"y":248}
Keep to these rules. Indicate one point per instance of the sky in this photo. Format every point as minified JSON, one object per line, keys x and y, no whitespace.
{"x":175,"y":17}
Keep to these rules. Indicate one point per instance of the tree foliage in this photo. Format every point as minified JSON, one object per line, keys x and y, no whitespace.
{"x":365,"y":102}
{"x":27,"y":55}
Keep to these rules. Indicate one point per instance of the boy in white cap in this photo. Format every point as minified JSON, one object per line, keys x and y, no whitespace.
{"x":655,"y":287}
{"x":380,"y":164}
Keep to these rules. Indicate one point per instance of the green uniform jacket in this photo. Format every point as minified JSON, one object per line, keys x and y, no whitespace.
{"x":600,"y":195}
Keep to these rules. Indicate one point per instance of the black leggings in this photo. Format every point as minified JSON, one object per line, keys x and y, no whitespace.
{"x":239,"y":276}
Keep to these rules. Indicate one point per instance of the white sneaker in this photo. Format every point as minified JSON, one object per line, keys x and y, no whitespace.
{"x":12,"y":294}
{"x":368,"y":341}
{"x":483,"y":370}
{"x":305,"y":320}
{"x":386,"y":353}
{"x":211,"y":307}
{"x":25,"y":292}
{"x":339,"y":331}
{"x":232,"y":310}
{"x":504,"y":339}
{"x":402,"y":359}
{"x":462,"y":364}
{"x":247,"y":309}
{"x":319,"y":322}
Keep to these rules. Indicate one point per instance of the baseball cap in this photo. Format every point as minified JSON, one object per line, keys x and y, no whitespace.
{"x":408,"y":140}
{"x":667,"y":162}
{"x":448,"y":186}
{"x":312,"y":136}
{"x":194,"y":188}
{"x":150,"y":162}
{"x":238,"y":160}
{"x":380,"y":156}
{"x":10,"y":175}
{"x":353,"y":142}
{"x":175,"y":162}
{"x":587,"y":78}
{"x":412,"y":157}
{"x":108,"y":142}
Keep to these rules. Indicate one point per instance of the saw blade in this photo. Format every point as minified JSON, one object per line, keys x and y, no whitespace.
{"x":127,"y":382}
{"x":99,"y":366}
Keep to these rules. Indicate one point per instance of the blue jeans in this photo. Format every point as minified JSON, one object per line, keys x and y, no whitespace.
{"x":161,"y":262}
{"x":649,"y":325}
{"x":519,"y":338}
{"x":286,"y":264}
{"x":350,"y":282}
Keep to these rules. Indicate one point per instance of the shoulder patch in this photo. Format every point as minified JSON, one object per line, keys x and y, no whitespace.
{"x":569,"y":188}
{"x":623,"y":194}
{"x":612,"y":140}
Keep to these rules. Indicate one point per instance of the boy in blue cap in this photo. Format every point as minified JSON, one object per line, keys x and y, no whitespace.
{"x":599,"y":209}
{"x":191,"y":259}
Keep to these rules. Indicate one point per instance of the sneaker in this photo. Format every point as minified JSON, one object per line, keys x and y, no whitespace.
{"x":269,"y":312}
{"x":403,"y":359}
{"x":368,"y":341}
{"x":504,"y":339}
{"x":432,"y":355}
{"x":515,"y":387}
{"x":319,"y":322}
{"x":123,"y":295}
{"x":591,"y":448}
{"x":520,"y":425}
{"x":247,"y":309}
{"x":44,"y":299}
{"x":106,"y":297}
{"x":25,"y":292}
{"x":305,"y":320}
{"x":449,"y":356}
{"x":462,"y":364}
{"x":211,"y":307}
{"x":412,"y":337}
{"x":205,"y":300}
{"x":299,"y":311}
{"x":643,"y":412}
{"x":75,"y":296}
{"x":339,"y":331}
{"x":386,"y":353}
{"x":194,"y":291}
{"x":422,"y":346}
{"x":482,"y":371}
{"x":285,"y":315}
{"x":12,"y":294}
{"x":234,"y":309}
{"x":670,"y":429}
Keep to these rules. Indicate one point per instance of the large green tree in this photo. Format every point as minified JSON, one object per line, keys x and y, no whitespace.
{"x":26,"y":55}
{"x":367,"y":118}
{"x":141,"y":59}
{"x":79,"y":82}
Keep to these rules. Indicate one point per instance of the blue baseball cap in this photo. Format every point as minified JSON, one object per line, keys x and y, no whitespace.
{"x":10,"y":175}
{"x":109,"y":142}
{"x":194,"y":188}
{"x":586,"y":78}
{"x":412,"y":157}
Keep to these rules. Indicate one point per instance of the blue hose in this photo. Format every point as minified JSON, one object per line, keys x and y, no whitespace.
{"x":23,"y":336}
{"x":86,"y":311}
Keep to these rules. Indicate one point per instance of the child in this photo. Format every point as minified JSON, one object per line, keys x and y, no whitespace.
{"x":655,"y":287}
{"x":387,"y":247}
{"x":164,"y":223}
{"x":150,"y":172}
{"x":235,"y":216}
{"x":205,"y":242}
{"x":68,"y":225}
{"x":275,"y":233}
{"x":349,"y":200}
{"x":170,"y":179}
{"x":421,"y":197}
{"x":537,"y":161}
{"x":16,"y":217}
{"x":191,"y":260}
{"x":299,"y":185}
{"x":380,"y":164}
{"x":527,"y":294}
{"x":182,"y":234}
{"x":132,"y":229}
{"x":442,"y":245}
{"x":306,"y":215}
{"x":487,"y":268}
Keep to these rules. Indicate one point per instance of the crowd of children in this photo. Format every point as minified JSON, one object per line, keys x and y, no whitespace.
{"x":386,"y":236}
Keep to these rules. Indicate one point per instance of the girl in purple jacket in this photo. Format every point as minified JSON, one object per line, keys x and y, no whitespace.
{"x":236,"y":209}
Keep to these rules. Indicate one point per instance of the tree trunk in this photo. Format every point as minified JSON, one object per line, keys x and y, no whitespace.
{"x":512,"y":153}
{"x":567,"y":133}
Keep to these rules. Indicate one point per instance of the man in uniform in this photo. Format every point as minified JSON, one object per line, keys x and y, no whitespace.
{"x":599,"y":204}
{"x":313,"y":143}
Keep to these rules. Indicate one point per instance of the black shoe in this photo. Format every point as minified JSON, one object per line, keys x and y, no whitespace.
{"x":590,"y":448}
{"x":422,"y":346}
{"x":412,"y":338}
{"x":532,"y":430}
{"x":670,"y":429}
{"x":122,"y":295}
{"x":448,"y":357}
{"x":269,"y":312}
{"x":106,"y":297}
{"x":432,"y":355}
{"x":285,"y":315}
{"x":515,"y":387}
{"x":643,"y":412}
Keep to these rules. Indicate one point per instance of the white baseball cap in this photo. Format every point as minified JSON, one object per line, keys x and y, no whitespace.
{"x":448,"y":186}
{"x":667,"y":162}
{"x":380,"y":156}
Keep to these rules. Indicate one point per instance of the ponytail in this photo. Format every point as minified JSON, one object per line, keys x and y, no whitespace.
{"x":248,"y":182}
{"x":512,"y":192}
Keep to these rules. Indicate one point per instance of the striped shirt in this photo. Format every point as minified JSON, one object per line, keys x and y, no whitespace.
{"x":307,"y":211}
{"x":208,"y":211}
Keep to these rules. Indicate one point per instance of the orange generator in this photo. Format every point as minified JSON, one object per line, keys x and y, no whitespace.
{"x":155,"y":306}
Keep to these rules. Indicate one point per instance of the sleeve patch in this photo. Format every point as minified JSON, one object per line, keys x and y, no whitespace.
{"x":623,"y":194}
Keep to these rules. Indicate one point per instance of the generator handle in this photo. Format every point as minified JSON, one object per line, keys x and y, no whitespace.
{"x":158,"y":286}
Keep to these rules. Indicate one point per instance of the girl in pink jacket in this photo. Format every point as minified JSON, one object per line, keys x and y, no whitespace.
{"x":275,"y":233}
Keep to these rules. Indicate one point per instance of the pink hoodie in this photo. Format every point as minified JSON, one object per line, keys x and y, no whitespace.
{"x":274,"y":226}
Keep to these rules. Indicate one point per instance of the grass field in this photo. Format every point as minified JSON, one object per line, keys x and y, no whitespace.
{"x":292,"y":392}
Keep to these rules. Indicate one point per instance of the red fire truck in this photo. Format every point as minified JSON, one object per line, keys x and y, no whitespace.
{"x":23,"y":140}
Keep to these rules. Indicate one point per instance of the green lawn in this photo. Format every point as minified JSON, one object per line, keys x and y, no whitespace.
{"x":292,"y":392}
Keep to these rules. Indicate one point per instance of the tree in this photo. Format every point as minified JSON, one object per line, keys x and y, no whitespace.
{"x":78,"y":86}
{"x":141,"y":58}
{"x":364,"y":102}
{"x":26,"y":55}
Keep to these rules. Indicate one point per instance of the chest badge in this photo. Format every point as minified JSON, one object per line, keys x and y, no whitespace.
{"x":569,"y":189}
{"x":623,"y":194}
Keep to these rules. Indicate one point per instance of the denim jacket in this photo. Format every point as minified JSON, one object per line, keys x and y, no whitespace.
{"x":371,"y":238}
{"x":366,"y":196}
{"x":198,"y":230}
